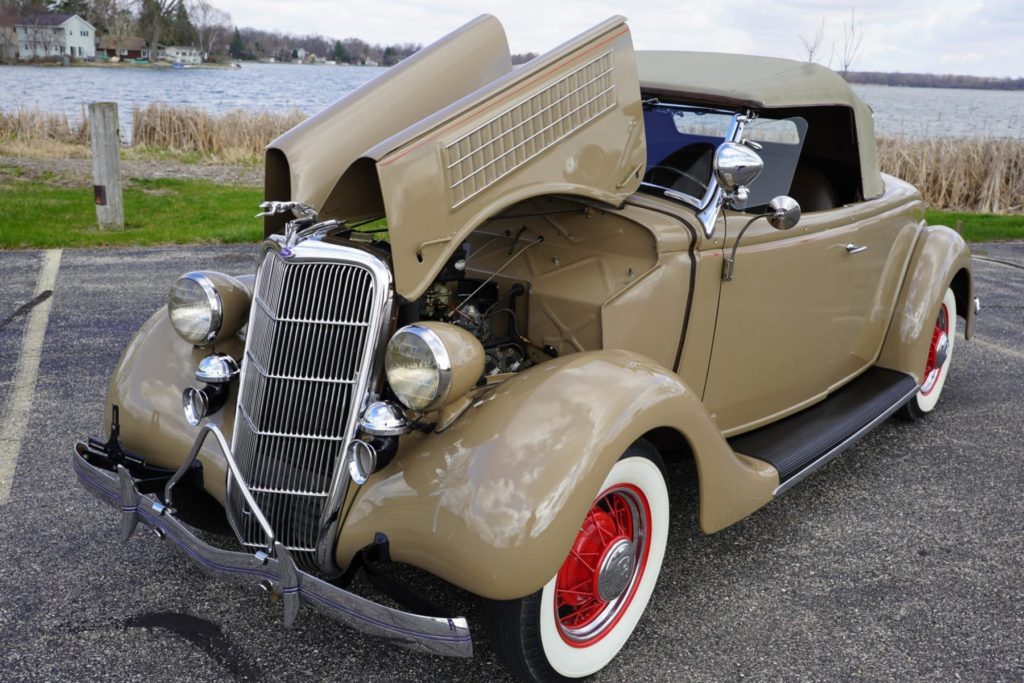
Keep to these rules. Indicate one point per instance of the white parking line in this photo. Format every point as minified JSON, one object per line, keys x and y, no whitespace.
{"x":19,"y":405}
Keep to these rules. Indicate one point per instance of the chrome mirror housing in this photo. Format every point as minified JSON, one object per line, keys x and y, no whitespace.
{"x":736,"y":167}
{"x":784,"y":212}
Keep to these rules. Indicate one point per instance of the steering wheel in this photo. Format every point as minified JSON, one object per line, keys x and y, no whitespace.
{"x":680,"y":174}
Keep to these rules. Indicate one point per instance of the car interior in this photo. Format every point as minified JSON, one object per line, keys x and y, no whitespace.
{"x":809,"y":153}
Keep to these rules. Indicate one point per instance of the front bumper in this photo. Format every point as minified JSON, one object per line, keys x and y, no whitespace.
{"x":272,"y":569}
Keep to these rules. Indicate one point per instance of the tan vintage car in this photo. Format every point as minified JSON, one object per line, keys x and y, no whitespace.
{"x":490,"y":300}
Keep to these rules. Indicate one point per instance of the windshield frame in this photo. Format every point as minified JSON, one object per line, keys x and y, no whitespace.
{"x":709,"y":205}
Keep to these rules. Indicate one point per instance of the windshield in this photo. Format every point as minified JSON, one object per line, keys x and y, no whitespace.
{"x":681,"y":144}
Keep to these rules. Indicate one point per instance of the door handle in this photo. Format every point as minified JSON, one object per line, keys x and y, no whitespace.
{"x":852,"y":248}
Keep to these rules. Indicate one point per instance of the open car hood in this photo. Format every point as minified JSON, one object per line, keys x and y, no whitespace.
{"x":454,"y":134}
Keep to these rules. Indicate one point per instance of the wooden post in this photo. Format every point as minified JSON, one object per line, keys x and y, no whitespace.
{"x":106,"y":165}
{"x":960,"y":227}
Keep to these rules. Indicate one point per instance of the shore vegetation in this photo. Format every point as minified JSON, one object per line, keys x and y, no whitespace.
{"x":975,"y":185}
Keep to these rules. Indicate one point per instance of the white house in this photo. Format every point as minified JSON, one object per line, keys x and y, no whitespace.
{"x":55,"y":35}
{"x":8,"y":44}
{"x":180,"y":54}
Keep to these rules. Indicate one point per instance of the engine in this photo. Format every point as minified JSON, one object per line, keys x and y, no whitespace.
{"x":480,"y":308}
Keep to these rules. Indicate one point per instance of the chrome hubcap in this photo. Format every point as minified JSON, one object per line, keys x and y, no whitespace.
{"x":616,"y":570}
{"x":942,"y":350}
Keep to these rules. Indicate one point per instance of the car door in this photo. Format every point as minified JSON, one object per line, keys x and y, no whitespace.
{"x":806,"y":311}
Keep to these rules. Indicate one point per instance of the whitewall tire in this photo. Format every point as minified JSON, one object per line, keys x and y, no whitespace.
{"x":940,"y":354}
{"x":576,"y":624}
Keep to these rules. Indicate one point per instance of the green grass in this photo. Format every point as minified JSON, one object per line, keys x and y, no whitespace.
{"x":980,"y":227}
{"x":39,"y":214}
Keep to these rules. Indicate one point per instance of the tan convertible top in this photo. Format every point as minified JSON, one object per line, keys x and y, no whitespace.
{"x":736,"y":81}
{"x":741,"y":80}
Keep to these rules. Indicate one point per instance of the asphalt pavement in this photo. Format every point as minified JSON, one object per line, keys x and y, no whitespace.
{"x":901,"y":560}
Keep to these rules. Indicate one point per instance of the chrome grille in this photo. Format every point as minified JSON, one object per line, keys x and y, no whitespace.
{"x":312,"y":330}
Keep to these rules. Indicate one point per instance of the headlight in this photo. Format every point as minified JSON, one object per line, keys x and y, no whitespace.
{"x":431,"y":364}
{"x":195,"y":308}
{"x":205,"y":306}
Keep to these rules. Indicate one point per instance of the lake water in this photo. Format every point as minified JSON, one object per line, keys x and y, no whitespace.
{"x":913,"y":112}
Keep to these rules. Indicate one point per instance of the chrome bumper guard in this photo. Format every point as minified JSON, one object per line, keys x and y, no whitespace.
{"x":273,"y":568}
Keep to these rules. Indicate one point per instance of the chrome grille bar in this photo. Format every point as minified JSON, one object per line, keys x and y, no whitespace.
{"x":318,"y":314}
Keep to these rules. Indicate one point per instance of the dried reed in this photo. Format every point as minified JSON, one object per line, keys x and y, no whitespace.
{"x":34,"y":125}
{"x":234,"y":134}
{"x":974,"y":174}
{"x":984,"y":175}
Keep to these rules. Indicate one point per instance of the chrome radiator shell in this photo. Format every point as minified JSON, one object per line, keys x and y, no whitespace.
{"x":312,"y":353}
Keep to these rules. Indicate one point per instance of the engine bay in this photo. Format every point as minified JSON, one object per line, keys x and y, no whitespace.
{"x":531,"y":283}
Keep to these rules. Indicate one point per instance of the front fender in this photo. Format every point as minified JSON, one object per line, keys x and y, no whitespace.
{"x":941,"y":259}
{"x":493,"y":503}
{"x":146,"y":385}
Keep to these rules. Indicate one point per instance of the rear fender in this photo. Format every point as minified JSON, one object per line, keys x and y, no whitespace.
{"x":493,"y":503}
{"x":941,"y":259}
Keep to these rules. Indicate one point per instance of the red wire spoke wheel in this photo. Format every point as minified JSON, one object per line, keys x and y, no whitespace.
{"x":936,"y":368}
{"x":599,"y":578}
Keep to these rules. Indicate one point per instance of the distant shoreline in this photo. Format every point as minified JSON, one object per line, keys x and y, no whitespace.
{"x":895,"y":78}
{"x":169,"y":65}
{"x":950,"y":81}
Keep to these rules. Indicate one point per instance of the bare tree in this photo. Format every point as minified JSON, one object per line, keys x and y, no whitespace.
{"x":8,"y":36}
{"x":32,"y":35}
{"x":47,"y":38}
{"x":212,"y":25}
{"x":119,"y":19}
{"x":853,"y":36}
{"x":153,"y":15}
{"x":111,"y":17}
{"x":812,"y":46}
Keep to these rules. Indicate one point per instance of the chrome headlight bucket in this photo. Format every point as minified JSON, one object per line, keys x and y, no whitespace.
{"x":418,"y":367}
{"x":205,"y":307}
{"x":195,"y":308}
{"x":430,"y":364}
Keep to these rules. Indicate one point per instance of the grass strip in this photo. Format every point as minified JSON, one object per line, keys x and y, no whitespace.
{"x":979,"y":227}
{"x":41,"y":215}
{"x":158,"y":211}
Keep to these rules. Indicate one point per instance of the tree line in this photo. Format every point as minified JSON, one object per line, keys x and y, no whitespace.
{"x":252,"y":43}
{"x":934,"y":80}
{"x":200,"y":24}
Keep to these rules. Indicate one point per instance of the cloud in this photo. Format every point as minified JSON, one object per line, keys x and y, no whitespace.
{"x":979,"y":37}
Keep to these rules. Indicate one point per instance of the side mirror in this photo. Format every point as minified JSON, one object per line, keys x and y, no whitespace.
{"x":736,"y":166}
{"x":785,"y":212}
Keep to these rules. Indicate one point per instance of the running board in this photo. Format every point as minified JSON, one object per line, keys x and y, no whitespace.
{"x":803,"y":443}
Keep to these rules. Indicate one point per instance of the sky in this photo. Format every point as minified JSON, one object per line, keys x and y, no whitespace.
{"x":977,"y":37}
